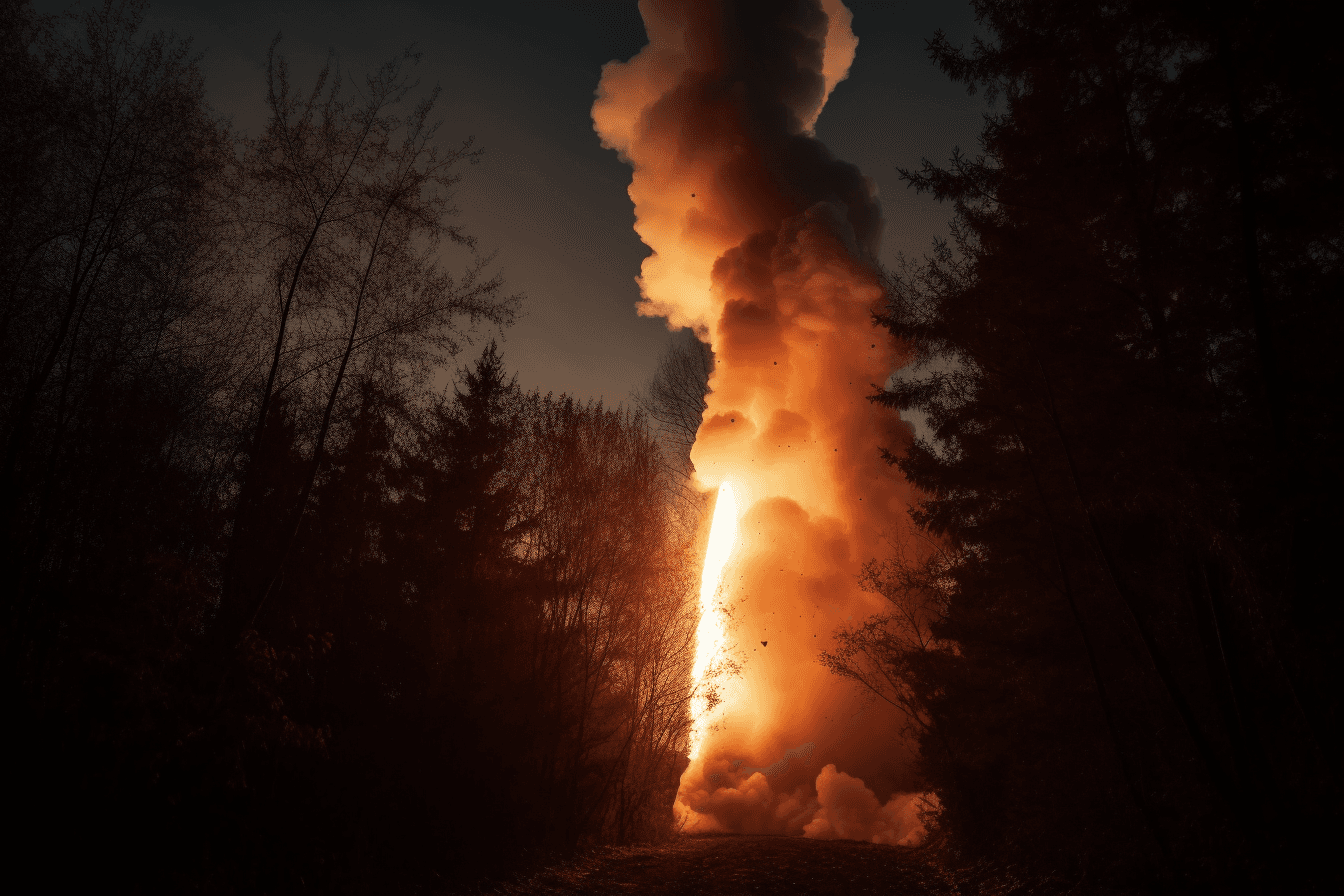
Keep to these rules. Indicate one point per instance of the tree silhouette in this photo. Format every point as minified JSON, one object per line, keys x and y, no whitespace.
{"x":279,"y":616}
{"x":349,"y":204}
{"x":1103,"y":356}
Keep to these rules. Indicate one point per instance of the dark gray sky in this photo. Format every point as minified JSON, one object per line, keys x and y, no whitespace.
{"x":519,"y":76}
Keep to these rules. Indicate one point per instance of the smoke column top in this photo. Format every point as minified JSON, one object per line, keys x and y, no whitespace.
{"x":715,"y":116}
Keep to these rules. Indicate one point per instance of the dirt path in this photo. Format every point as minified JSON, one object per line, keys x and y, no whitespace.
{"x":734,"y":864}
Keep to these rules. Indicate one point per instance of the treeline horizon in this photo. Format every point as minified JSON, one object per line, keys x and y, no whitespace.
{"x":280,"y":612}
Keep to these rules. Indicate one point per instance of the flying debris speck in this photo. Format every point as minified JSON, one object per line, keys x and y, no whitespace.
{"x":765,"y":643}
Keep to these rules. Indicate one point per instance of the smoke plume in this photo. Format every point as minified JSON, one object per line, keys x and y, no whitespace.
{"x":763,"y":242}
{"x":849,"y":811}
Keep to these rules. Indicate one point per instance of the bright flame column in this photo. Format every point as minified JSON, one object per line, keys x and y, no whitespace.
{"x":711,"y":635}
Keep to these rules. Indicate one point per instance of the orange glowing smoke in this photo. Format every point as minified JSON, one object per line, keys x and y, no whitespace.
{"x":763,"y":243}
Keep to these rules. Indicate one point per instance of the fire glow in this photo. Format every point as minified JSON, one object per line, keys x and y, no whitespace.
{"x":711,"y":634}
{"x":764,"y":243}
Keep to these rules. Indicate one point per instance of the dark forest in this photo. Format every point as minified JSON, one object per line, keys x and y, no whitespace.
{"x":284,"y":612}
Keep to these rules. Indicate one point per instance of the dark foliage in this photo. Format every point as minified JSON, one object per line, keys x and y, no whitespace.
{"x":276,"y":615}
{"x":674,"y":401}
{"x":1116,"y":646}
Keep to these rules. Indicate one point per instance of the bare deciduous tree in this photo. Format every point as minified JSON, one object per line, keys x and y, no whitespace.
{"x":348,"y":202}
{"x":674,"y":399}
{"x":106,"y":228}
{"x":882,"y":654}
{"x":616,"y":618}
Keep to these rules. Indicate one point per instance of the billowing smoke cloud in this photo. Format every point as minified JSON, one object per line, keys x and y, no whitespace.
{"x":763,"y":243}
{"x":836,"y":807}
{"x":850,"y":811}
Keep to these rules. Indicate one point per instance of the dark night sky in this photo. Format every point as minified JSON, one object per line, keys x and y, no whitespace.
{"x":519,"y":76}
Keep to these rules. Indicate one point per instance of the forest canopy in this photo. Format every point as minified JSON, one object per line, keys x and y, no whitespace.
{"x":280,"y":612}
